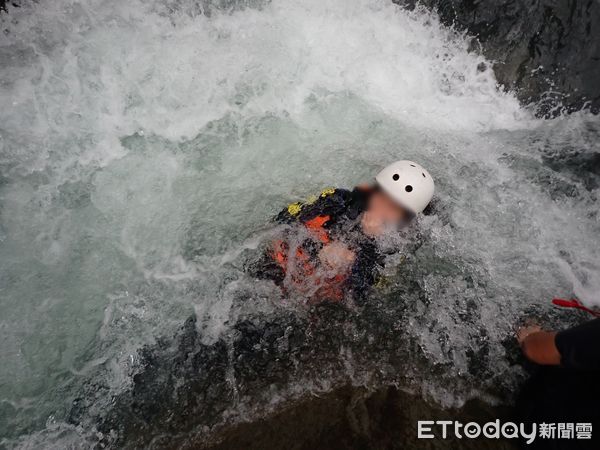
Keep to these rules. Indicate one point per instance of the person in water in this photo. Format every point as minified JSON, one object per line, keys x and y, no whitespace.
{"x":333,"y":252}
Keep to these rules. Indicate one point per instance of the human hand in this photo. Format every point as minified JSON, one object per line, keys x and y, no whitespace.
{"x":538,"y":346}
{"x":527,"y":330}
{"x":372,"y":225}
{"x":337,"y":256}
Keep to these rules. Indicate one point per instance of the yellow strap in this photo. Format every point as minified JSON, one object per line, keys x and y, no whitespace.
{"x":294,"y":208}
{"x":326,"y":192}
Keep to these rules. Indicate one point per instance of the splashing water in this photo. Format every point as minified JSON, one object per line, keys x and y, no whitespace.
{"x":144,"y":146}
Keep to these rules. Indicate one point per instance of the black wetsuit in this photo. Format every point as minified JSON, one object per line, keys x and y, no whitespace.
{"x":569,"y":393}
{"x":336,"y":213}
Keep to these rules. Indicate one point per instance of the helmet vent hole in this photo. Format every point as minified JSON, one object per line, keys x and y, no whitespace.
{"x":408,"y":188}
{"x":412,"y":165}
{"x":423,"y":175}
{"x":396,"y":177}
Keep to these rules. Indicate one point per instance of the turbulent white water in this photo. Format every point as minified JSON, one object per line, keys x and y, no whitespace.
{"x":143,"y":144}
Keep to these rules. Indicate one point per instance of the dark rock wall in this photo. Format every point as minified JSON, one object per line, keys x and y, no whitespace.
{"x":352,"y":418}
{"x":548,"y":51}
{"x":4,"y":5}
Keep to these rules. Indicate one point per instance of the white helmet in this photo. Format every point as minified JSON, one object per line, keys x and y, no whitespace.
{"x":407,"y":183}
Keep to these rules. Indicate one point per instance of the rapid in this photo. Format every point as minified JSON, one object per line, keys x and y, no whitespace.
{"x":145,"y":146}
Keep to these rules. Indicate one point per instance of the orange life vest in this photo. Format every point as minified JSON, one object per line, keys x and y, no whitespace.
{"x":305,"y":268}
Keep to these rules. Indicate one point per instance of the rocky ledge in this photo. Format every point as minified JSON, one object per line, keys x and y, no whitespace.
{"x":547,"y":51}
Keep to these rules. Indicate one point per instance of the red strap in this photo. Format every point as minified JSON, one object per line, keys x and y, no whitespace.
{"x":574,"y":303}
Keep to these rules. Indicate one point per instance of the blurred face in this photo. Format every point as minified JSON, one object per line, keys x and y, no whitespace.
{"x":382,"y":214}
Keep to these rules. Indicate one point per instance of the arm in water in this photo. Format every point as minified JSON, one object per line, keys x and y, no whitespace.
{"x":538,"y":345}
{"x":575,"y":348}
{"x":333,"y":204}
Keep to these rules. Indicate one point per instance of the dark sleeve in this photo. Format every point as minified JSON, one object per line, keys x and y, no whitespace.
{"x":330,"y":202}
{"x":365,"y":270}
{"x":579,"y":347}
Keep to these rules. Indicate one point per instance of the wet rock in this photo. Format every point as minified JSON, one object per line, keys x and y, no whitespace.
{"x":547,"y":51}
{"x":185,"y":387}
{"x":189,"y":392}
{"x":355,"y":418}
{"x":4,"y":5}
